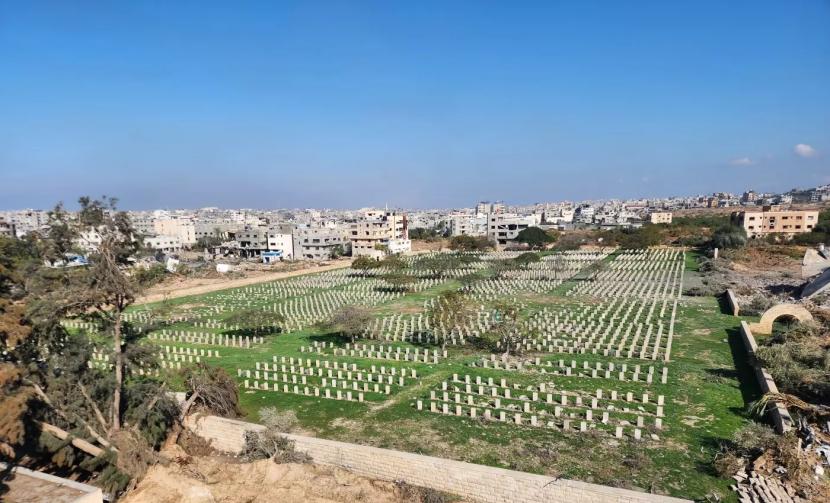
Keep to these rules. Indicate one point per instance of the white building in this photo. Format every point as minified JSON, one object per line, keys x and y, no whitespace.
{"x":282,"y":243}
{"x":378,"y":232}
{"x":660,"y":217}
{"x":504,"y":227}
{"x":183,"y":229}
{"x":167,"y":244}
{"x":468,"y":225}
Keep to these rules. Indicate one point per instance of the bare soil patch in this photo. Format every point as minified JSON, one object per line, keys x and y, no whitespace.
{"x":208,"y":479}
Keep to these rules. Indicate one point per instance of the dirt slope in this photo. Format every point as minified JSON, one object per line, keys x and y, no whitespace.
{"x":212,"y":479}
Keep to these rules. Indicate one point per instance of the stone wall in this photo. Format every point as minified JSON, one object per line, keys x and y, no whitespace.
{"x":778,"y":414}
{"x":732,"y":300}
{"x":477,"y":482}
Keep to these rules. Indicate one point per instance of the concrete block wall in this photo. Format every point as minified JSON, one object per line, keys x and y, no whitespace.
{"x":476,"y":482}
{"x":732,"y":300}
{"x":778,"y":414}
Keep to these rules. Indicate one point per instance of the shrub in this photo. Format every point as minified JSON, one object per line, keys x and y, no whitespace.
{"x":269,"y":444}
{"x":799,"y":361}
{"x":753,"y":439}
{"x":418,"y":494}
{"x":470,"y":243}
{"x":756,"y":306}
{"x":729,"y":237}
{"x":284,"y":422}
{"x":534,"y":237}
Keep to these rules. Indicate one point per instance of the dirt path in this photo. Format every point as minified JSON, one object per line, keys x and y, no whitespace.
{"x":176,"y":291}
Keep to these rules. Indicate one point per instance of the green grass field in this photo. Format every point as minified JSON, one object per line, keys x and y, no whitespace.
{"x":707,"y":394}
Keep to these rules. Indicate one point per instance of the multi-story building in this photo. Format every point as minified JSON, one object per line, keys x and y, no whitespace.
{"x":167,"y":244}
{"x":503,"y":228}
{"x":660,"y":217}
{"x":281,"y":242}
{"x":252,"y":241}
{"x":319,"y":241}
{"x":773,"y":220}
{"x":184,"y":229}
{"x":468,"y":225}
{"x":7,"y":229}
{"x":216,"y":229}
{"x":26,"y":221}
{"x":379,"y":233}
{"x":585,"y":214}
{"x":749,"y":197}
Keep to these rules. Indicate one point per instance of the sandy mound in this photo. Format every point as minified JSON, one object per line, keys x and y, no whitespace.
{"x":208,"y":479}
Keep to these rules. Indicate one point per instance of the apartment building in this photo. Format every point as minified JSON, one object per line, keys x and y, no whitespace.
{"x":773,"y":220}
{"x":216,"y":229}
{"x":252,"y":241}
{"x":184,"y":229}
{"x":166,"y":244}
{"x":7,"y":229}
{"x":468,"y":225}
{"x":504,"y":227}
{"x":379,"y":233}
{"x":660,"y":217}
{"x":319,"y":241}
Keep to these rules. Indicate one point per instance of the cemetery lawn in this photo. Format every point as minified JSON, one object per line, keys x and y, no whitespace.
{"x":707,"y":393}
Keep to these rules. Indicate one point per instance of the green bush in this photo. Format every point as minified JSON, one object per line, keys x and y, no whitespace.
{"x":728,"y":237}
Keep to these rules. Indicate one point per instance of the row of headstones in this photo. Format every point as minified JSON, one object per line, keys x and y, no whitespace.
{"x":104,"y":365}
{"x":364,"y":386}
{"x":176,"y":357}
{"x":209,"y":353}
{"x":518,"y":419}
{"x":302,"y":312}
{"x":626,"y":345}
{"x":84,"y":325}
{"x":597,"y":372}
{"x":525,"y":403}
{"x":304,"y":372}
{"x":622,"y":282}
{"x":597,"y":316}
{"x":376,"y":355}
{"x":306,"y":391}
{"x":506,"y":392}
{"x":213,"y":324}
{"x":318,"y":345}
{"x":228,"y":340}
{"x":541,"y":388}
{"x":545,"y":326}
{"x":325,"y":364}
{"x":618,"y":287}
{"x":612,"y":284}
{"x":422,"y":329}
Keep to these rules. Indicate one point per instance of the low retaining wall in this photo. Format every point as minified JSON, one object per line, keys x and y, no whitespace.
{"x":732,"y":300}
{"x":779,"y":415}
{"x":30,"y":485}
{"x":477,"y":482}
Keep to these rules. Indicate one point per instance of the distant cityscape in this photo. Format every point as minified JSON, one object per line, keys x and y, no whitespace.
{"x":323,"y":234}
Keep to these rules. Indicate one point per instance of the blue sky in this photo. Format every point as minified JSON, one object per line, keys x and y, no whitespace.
{"x":415,"y":104}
